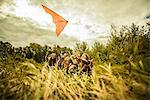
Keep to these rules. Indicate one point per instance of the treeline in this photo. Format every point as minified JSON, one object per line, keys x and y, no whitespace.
{"x":128,"y":46}
{"x":33,"y":51}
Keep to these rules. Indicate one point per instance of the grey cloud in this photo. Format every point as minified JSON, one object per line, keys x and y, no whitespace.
{"x":21,"y":33}
{"x":105,"y":12}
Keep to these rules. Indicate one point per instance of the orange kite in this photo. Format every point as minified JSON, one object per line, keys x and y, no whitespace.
{"x":57,"y":19}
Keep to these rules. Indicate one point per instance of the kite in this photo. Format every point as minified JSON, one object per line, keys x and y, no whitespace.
{"x":57,"y":19}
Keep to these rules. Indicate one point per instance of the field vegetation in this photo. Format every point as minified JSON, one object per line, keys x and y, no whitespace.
{"x":121,"y":70}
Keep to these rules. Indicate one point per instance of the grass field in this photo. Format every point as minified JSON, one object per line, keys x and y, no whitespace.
{"x":32,"y":81}
{"x":121,"y":70}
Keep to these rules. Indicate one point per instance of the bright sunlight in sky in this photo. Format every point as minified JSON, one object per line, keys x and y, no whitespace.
{"x":89,"y":20}
{"x":79,"y":26}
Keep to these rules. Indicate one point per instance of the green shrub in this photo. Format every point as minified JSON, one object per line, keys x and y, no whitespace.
{"x":81,"y":47}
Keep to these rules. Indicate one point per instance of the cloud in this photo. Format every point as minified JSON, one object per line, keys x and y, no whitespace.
{"x":88,"y":19}
{"x":22,"y":32}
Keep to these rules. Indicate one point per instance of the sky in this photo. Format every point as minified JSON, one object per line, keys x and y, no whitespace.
{"x":24,"y":21}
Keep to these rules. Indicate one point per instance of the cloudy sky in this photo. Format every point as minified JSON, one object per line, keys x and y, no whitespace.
{"x":24,"y":21}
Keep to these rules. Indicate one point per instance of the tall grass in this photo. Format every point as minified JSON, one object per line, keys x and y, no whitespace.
{"x":29,"y":80}
{"x":121,"y":70}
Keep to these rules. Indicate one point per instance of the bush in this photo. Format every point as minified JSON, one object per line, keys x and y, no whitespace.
{"x":127,"y":46}
{"x":99,"y":53}
{"x":81,"y":47}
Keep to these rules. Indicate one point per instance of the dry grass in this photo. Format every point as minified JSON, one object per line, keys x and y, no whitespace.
{"x":29,"y":82}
